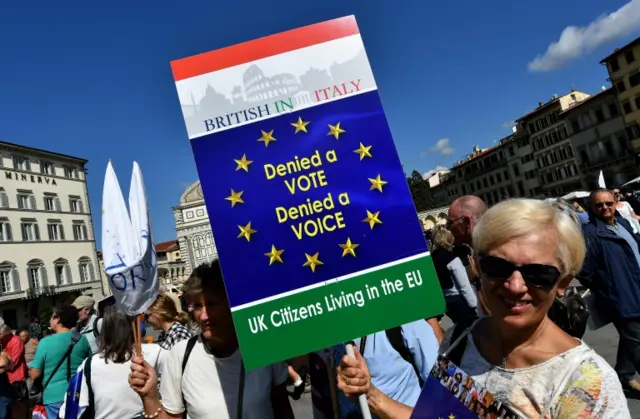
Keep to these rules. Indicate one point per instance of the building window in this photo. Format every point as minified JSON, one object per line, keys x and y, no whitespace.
{"x":51,"y":202}
{"x":620,"y":87}
{"x":30,"y":231}
{"x":629,"y":57}
{"x":70,"y":172}
{"x":75,"y":204}
{"x":26,"y":200}
{"x":86,"y":269}
{"x":637,"y":100}
{"x":9,"y":278}
{"x":626,"y":106}
{"x":599,"y":116}
{"x":80,"y":231}
{"x":21,"y":163}
{"x":634,"y":80}
{"x":46,"y":167}
{"x":613,"y":110}
{"x":511,"y":152}
{"x":516,"y":170}
{"x":575,"y":126}
{"x":37,"y":274}
{"x":4,"y":199}
{"x":5,"y":230}
{"x":63,"y":271}
{"x":55,"y":230}
{"x":614,"y":65}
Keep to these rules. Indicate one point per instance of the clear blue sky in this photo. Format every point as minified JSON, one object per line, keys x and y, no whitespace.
{"x":74,"y":76}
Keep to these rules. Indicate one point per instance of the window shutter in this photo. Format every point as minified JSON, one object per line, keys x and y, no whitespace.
{"x":15,"y":279}
{"x":67,"y":274}
{"x":61,"y":231}
{"x":28,"y":164}
{"x":84,"y":232}
{"x":43,"y":276}
{"x":49,"y":230}
{"x":36,"y":228}
{"x":4,"y":200}
{"x":32,"y":202}
{"x":91,"y":273}
{"x":80,"y":206}
{"x":57,"y":204}
{"x":30,"y":276}
{"x":7,"y":227}
{"x":23,"y":230}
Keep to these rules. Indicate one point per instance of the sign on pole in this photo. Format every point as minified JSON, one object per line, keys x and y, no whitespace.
{"x":315,"y":227}
{"x":127,"y":245}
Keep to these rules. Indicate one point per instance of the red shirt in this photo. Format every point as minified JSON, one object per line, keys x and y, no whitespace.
{"x":15,"y":349}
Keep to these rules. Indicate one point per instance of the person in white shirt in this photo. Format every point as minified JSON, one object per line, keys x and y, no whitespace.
{"x":104,"y":388}
{"x":213,"y":383}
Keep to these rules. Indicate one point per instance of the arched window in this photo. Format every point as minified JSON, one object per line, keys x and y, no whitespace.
{"x":63,"y":271}
{"x":9,"y":277}
{"x":86,"y":269}
{"x":37,"y":274}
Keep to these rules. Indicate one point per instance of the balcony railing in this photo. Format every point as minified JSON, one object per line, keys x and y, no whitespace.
{"x":40,"y":292}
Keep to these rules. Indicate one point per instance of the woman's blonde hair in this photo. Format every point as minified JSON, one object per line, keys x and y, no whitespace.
{"x":519,"y":217}
{"x":165,"y":307}
{"x":442,"y":238}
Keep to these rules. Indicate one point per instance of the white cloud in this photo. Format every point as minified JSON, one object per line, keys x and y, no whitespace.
{"x":442,"y":146}
{"x":576,"y":41}
{"x":428,"y":174}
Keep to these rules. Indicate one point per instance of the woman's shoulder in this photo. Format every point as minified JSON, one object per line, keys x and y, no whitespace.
{"x":593,"y":386}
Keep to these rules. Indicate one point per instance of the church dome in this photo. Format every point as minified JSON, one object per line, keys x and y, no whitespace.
{"x":192,"y":194}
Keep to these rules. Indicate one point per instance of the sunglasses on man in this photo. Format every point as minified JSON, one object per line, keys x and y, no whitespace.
{"x":534,"y":274}
{"x":599,"y":205}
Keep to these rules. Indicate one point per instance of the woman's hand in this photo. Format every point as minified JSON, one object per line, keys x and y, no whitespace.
{"x":143,"y":379}
{"x":354,"y":377}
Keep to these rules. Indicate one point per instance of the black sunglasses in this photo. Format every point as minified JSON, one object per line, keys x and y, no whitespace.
{"x":602,"y":204}
{"x":534,"y":274}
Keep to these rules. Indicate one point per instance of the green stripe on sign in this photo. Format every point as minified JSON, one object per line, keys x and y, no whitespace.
{"x":338,"y":312}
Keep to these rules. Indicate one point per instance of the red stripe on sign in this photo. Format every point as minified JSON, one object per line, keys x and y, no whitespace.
{"x":264,"y":47}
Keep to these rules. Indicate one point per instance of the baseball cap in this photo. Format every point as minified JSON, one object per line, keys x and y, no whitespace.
{"x":84,"y":301}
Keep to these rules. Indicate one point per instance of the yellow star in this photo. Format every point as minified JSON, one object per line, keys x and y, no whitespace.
{"x":235,"y":198}
{"x":377,"y":183}
{"x":300,"y":125}
{"x":452,"y":416}
{"x":243,"y":163}
{"x":246,"y":231}
{"x":335,"y":130}
{"x":274,"y":255}
{"x":372,"y":218}
{"x":312,"y":261}
{"x":363,"y":151}
{"x":349,"y":248}
{"x":266,"y":137}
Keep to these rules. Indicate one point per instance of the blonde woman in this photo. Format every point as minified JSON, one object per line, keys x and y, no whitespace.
{"x":528,"y":252}
{"x":163,"y":315}
{"x":458,"y":293}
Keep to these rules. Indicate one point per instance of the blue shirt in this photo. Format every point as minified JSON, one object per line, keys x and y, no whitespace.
{"x":391,"y":374}
{"x":626,"y":235}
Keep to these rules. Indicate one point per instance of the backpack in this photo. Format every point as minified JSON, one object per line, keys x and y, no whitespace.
{"x":396,"y":339}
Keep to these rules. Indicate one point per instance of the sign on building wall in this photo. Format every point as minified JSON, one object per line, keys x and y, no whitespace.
{"x":315,"y":227}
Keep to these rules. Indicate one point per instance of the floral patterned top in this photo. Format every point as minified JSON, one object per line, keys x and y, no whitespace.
{"x":592,"y":388}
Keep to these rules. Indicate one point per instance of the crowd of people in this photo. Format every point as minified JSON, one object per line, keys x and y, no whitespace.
{"x":503,"y":271}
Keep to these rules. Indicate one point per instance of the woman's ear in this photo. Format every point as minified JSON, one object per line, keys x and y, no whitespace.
{"x":563,"y":285}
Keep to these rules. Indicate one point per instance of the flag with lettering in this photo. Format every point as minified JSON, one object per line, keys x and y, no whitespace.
{"x":315,"y":227}
{"x":127,"y":245}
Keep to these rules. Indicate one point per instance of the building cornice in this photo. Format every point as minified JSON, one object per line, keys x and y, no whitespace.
{"x":38,"y":151}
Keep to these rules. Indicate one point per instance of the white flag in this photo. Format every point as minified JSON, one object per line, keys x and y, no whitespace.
{"x":127,"y":246}
{"x":601,"y":180}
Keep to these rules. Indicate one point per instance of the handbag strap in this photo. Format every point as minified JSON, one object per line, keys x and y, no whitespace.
{"x":67,"y":356}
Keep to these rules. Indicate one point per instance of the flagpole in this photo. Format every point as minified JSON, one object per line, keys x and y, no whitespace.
{"x":362,"y":399}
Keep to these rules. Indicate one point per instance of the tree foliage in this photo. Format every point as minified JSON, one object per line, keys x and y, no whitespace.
{"x":420,"y":191}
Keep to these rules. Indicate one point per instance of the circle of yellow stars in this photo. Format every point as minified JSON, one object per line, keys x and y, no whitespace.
{"x":312,"y":262}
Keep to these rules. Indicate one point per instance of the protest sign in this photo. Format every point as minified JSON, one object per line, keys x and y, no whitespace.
{"x":316,"y":231}
{"x":127,"y":246}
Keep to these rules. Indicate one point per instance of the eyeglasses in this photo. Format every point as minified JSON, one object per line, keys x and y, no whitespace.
{"x":451,"y":222}
{"x":534,"y":274}
{"x":599,"y":205}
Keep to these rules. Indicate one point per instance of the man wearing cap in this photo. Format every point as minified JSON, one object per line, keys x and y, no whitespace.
{"x":87,"y":319}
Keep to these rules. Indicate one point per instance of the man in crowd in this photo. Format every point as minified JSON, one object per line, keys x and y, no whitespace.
{"x":17,"y":374}
{"x":30,"y":345}
{"x":463,"y":215}
{"x":87,"y":319}
{"x":612,"y":272}
{"x":6,"y":396}
{"x":205,"y":375}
